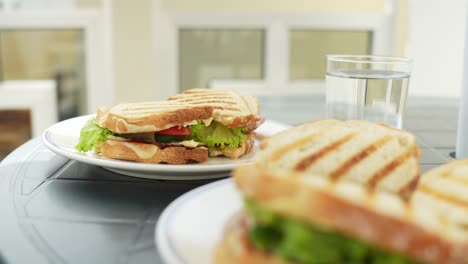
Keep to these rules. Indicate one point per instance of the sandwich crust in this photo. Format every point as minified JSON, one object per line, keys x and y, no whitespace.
{"x":230,"y":108}
{"x":378,"y":218}
{"x":150,"y":153}
{"x":150,"y":116}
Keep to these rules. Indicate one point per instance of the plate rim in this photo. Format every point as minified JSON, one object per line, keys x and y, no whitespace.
{"x":189,"y":169}
{"x":173,"y":177}
{"x":162,"y":239}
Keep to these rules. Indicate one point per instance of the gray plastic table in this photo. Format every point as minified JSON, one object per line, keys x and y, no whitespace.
{"x":54,"y":210}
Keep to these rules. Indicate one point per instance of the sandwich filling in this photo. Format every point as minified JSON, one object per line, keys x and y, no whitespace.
{"x":304,"y":243}
{"x":209,"y":134}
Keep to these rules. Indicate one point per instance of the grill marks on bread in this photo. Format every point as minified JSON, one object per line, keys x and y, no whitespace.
{"x":134,"y":110}
{"x":224,"y":106}
{"x":310,"y":159}
{"x":150,"y":116}
{"x":375,"y":155}
{"x":335,"y":175}
{"x":230,"y":108}
{"x":445,"y":190}
{"x":296,"y":144}
{"x":388,"y":168}
{"x":217,"y":102}
{"x":407,"y":190}
{"x":444,"y":196}
{"x":448,"y":183}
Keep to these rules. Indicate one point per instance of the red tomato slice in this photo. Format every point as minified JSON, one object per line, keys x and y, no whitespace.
{"x":175,"y":131}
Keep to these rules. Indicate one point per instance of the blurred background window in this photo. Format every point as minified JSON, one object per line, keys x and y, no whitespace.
{"x":52,"y":50}
{"x":52,"y":54}
{"x":308,"y":49}
{"x":207,"y":54}
{"x":36,"y":4}
{"x":47,"y":55}
{"x":239,"y":54}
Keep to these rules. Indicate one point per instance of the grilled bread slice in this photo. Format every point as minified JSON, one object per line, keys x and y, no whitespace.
{"x":445,"y":190}
{"x":150,"y":116}
{"x":381,"y":219}
{"x":152,"y":153}
{"x":230,"y":108}
{"x":372,"y":154}
{"x":171,"y":153}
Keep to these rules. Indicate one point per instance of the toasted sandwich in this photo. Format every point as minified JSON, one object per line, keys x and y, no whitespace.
{"x":298,"y":210}
{"x":313,"y":221}
{"x":371,"y":154}
{"x":174,"y":131}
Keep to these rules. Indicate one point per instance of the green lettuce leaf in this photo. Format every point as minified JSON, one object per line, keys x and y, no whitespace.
{"x":92,"y":134}
{"x":217,"y":135}
{"x":303,"y":243}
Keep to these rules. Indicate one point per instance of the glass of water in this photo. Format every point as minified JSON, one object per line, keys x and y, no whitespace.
{"x":367,"y":87}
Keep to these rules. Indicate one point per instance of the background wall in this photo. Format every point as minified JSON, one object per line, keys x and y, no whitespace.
{"x":132,"y":50}
{"x":275,"y":5}
{"x":435,"y":42}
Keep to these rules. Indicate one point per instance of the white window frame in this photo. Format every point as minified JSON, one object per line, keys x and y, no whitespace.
{"x":277,"y":27}
{"x":96,"y":27}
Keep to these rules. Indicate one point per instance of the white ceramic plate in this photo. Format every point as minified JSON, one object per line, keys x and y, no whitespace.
{"x":63,"y":136}
{"x":190,"y":227}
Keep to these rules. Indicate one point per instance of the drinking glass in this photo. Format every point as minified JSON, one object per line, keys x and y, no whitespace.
{"x":367,"y":87}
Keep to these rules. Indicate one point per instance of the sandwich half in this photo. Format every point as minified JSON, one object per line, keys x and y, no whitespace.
{"x":341,"y":192}
{"x":171,"y":131}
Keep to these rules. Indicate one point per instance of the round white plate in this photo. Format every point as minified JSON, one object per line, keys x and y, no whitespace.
{"x":63,"y":136}
{"x":189,"y":228}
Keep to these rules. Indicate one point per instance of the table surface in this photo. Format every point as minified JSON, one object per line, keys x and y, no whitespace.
{"x":54,"y":210}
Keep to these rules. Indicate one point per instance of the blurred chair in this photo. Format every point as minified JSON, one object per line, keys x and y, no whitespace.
{"x":40,"y":97}
{"x":15,"y":129}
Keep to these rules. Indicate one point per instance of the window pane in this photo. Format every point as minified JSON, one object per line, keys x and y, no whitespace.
{"x":47,"y":54}
{"x":309,"y":47}
{"x":214,"y":54}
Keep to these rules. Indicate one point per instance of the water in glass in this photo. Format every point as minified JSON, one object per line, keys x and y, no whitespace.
{"x":375,"y":95}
